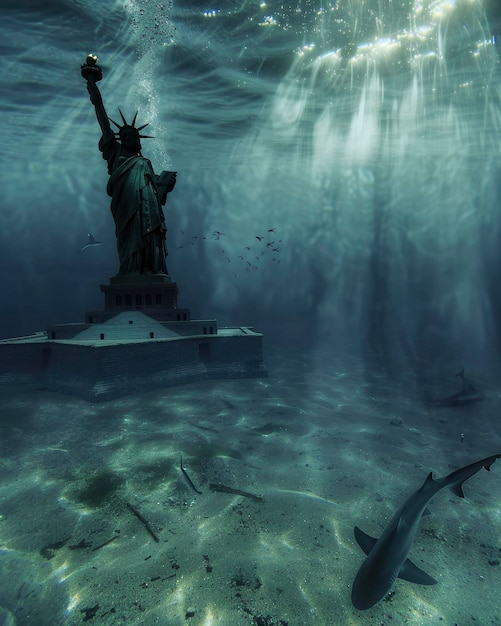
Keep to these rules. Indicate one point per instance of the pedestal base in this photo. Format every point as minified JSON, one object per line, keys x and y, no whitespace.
{"x":129,"y":354}
{"x":154,"y":295}
{"x":139,"y":342}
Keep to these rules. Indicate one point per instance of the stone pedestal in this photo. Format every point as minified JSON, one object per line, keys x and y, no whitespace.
{"x":153,"y":295}
{"x":141,"y":341}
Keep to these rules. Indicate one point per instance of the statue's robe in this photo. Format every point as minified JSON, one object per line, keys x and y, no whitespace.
{"x":138,"y":195}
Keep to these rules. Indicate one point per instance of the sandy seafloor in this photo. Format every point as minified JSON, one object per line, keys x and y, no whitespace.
{"x":313,"y":439}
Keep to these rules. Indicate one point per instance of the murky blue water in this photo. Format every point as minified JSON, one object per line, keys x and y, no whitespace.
{"x":365,"y":136}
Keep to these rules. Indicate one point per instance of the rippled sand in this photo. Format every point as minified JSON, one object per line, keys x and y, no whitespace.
{"x":83,"y":485}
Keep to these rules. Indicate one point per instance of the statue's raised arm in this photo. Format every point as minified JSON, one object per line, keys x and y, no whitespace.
{"x":92,"y":73}
{"x":137,"y":193}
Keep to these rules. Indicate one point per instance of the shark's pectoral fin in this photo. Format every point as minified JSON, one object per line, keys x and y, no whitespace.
{"x":366,"y":542}
{"x":413,"y":574}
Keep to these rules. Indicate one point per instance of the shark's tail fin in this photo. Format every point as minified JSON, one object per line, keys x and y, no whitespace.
{"x":456,"y":480}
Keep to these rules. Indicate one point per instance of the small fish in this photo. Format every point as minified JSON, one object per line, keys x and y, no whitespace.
{"x":92,"y":242}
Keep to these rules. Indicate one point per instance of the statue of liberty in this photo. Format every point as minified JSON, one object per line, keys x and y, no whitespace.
{"x":137,"y":193}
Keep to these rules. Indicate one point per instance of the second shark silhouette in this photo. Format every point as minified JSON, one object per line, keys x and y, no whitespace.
{"x":466,"y":395}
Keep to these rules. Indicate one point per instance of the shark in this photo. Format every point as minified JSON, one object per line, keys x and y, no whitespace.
{"x":386,"y":558}
{"x":91,"y":242}
{"x":467,"y":395}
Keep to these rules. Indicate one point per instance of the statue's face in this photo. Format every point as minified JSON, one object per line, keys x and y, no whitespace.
{"x":129,"y":136}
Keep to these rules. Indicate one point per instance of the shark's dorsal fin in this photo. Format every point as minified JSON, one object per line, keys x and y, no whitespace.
{"x":428,"y":480}
{"x":365,"y":541}
{"x":414,"y":574}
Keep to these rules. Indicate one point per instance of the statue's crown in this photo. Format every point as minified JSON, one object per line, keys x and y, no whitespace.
{"x":126,"y":125}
